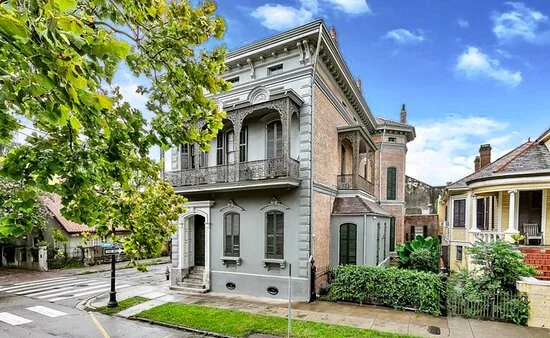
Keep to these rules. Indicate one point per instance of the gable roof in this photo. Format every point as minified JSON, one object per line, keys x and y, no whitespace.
{"x":530,"y":157}
{"x":54,"y":206}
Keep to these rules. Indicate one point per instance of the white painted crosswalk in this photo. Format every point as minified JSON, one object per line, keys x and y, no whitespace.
{"x":56,"y":289}
{"x":13,"y":319}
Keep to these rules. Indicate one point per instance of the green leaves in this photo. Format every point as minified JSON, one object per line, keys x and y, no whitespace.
{"x":421,"y":254}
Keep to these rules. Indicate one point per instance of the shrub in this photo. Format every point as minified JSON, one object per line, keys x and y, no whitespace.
{"x":420,"y":254}
{"x":397,"y":288}
{"x":424,"y":260}
{"x":500,"y":265}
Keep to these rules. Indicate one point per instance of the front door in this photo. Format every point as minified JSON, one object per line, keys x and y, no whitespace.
{"x":199,"y":241}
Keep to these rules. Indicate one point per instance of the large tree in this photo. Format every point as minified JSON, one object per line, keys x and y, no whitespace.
{"x":57,"y":63}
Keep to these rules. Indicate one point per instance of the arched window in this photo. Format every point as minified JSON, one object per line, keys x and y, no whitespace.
{"x":348,"y":243}
{"x":274,"y":234}
{"x":274,"y":139}
{"x":391,"y":180}
{"x":232,"y":232}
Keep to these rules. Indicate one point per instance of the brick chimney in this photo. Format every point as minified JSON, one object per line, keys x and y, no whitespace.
{"x":358,"y":83}
{"x":403,"y":115}
{"x":484,"y":155}
{"x":333,"y":35}
{"x":476,"y":163}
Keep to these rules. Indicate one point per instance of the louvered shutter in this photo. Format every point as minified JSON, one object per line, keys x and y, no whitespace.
{"x":184,"y":158}
{"x":175,"y":158}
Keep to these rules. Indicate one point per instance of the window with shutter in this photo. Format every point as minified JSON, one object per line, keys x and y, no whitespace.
{"x":243,"y":145}
{"x":230,"y":146}
{"x":392,"y":234}
{"x":343,"y":160}
{"x":274,"y":139}
{"x":459,"y":213}
{"x":232,"y":234}
{"x":185,"y":157}
{"x":391,"y":183}
{"x":175,"y":152}
{"x":275,"y":233}
{"x":348,"y":243}
{"x":220,"y":148}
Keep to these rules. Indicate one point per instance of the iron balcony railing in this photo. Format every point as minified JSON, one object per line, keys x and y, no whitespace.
{"x":244,"y":171}
{"x":352,"y":182}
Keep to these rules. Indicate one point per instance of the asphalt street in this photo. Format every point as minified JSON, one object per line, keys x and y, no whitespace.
{"x":48,"y":307}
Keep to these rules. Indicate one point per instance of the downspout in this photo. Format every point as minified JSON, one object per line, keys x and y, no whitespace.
{"x":311,"y":152}
{"x":380,"y":164}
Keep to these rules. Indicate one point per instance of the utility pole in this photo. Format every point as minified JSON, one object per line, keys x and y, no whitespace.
{"x":112,"y":294}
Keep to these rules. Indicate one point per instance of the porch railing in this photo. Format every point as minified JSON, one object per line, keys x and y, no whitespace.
{"x":489,"y":236}
{"x":244,"y":171}
{"x":350,"y":181}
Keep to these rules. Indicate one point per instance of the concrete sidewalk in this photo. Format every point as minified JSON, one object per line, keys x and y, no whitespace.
{"x":368,"y":317}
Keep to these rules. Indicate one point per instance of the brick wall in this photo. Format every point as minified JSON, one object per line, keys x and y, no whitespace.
{"x":420,"y":220}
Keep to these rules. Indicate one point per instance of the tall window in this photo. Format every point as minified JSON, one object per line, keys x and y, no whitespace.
{"x":243,"y":145}
{"x":343,"y":160}
{"x":459,"y":213}
{"x":348,"y":243}
{"x":275,"y":234}
{"x":187,"y":156}
{"x":232,"y":225}
{"x":225,"y":147}
{"x":391,"y":187}
{"x":392,"y":234}
{"x":274,"y":139}
{"x":459,"y":252}
{"x":483,"y":209}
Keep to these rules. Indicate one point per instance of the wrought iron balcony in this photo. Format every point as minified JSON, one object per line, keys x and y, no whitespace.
{"x":353,"y":182}
{"x":251,"y":171}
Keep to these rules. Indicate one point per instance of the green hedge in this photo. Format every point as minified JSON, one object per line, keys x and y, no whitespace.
{"x":397,"y":288}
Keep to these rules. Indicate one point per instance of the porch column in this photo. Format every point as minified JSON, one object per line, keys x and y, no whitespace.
{"x":285,"y":123}
{"x":236,"y":119}
{"x":512,"y":229}
{"x":474,"y":214}
{"x":206,"y":276}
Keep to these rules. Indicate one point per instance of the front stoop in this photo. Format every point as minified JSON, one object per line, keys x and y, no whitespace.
{"x":192,"y":283}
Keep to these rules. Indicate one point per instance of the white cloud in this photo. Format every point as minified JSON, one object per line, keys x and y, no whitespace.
{"x":351,"y":6}
{"x":404,"y":36}
{"x":521,"y":22}
{"x":463,"y":23}
{"x":282,"y":17}
{"x":474,"y":63}
{"x":444,"y":150}
{"x":279,"y":17}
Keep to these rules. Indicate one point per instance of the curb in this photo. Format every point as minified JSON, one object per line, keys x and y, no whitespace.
{"x":179,"y":327}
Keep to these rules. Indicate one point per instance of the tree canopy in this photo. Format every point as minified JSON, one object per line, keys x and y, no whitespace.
{"x":57,"y":63}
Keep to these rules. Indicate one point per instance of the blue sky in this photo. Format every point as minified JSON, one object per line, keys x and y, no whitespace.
{"x":470,"y":72}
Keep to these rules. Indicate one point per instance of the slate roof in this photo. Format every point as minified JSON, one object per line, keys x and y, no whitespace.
{"x":531,"y":156}
{"x":357,"y":205}
{"x":53,"y":204}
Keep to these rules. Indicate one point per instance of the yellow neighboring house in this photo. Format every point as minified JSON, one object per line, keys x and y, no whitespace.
{"x":500,"y":199}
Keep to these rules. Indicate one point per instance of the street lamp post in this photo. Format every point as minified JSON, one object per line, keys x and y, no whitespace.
{"x":112,"y":294}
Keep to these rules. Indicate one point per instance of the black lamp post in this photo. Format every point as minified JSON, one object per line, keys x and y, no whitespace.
{"x":112,"y":294}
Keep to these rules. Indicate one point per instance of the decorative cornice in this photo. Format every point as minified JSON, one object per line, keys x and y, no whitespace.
{"x":275,"y":203}
{"x":231,"y":205}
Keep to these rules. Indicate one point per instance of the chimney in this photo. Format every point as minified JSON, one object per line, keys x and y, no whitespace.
{"x":476,"y":163}
{"x":333,"y":35}
{"x":484,"y":155}
{"x":403,"y":115}
{"x":358,"y":83}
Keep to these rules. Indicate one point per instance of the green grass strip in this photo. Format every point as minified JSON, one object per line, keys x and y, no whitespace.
{"x":242,"y":324}
{"x":122,"y":305}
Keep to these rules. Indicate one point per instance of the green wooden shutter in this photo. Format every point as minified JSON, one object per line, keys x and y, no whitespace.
{"x":391,"y":183}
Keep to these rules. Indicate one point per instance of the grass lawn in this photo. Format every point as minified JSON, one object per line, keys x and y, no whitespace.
{"x":122,"y":305}
{"x":241,"y":324}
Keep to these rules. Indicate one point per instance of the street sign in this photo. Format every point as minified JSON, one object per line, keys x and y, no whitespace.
{"x":113,"y":251}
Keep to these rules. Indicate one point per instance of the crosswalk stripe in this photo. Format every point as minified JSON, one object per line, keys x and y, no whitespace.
{"x":8,"y":318}
{"x":50,"y":287}
{"x":46,"y":311}
{"x":86,"y":293}
{"x":39,"y":281}
{"x":69,"y":291}
{"x":28,"y":287}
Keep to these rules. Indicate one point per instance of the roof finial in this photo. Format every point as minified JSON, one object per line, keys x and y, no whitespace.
{"x":403,"y":115}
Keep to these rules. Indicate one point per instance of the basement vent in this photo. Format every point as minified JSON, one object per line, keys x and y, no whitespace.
{"x":272,"y":290}
{"x":230,"y":286}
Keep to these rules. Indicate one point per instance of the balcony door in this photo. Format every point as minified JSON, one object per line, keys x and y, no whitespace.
{"x":274,"y":140}
{"x":530,"y":209}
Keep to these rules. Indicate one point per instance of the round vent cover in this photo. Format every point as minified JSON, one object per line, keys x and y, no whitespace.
{"x":272,"y":290}
{"x":230,"y":286}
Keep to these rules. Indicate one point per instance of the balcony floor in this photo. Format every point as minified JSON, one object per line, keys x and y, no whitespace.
{"x":271,"y":183}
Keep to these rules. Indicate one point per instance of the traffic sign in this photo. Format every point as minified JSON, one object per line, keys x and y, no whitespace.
{"x":113,"y":251}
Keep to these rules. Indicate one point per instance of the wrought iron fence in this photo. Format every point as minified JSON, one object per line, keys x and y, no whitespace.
{"x":500,"y":305}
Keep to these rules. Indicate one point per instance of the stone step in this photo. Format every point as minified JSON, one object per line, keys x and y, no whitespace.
{"x":188,"y":289}
{"x":192,"y":279}
{"x":191,"y":285}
